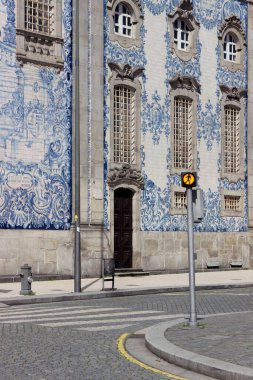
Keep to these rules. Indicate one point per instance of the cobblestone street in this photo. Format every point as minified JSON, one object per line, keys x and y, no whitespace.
{"x":78,"y":340}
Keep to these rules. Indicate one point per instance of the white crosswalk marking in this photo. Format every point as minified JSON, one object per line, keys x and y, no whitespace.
{"x":37,"y":311}
{"x":48,"y":313}
{"x":94,"y":321}
{"x":54,"y":316}
{"x":106,"y":328}
{"x":87,"y":318}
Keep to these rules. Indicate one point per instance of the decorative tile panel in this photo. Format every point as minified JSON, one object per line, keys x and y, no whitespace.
{"x":35,"y":135}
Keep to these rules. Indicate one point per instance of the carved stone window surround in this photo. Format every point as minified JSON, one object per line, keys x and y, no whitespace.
{"x":233,"y":97}
{"x":184,"y":13}
{"x":39,"y":48}
{"x":125,"y":76}
{"x":185,"y":87}
{"x":233,"y":26}
{"x":135,"y":9}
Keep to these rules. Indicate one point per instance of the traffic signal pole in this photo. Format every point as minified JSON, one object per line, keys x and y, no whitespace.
{"x":193,"y":313}
{"x":77,"y":258}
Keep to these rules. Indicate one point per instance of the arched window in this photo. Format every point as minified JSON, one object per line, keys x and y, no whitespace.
{"x":232,"y":41}
{"x":230,"y":48}
{"x":123,"y":21}
{"x":181,"y":35}
{"x":183,"y":31}
{"x":124,"y":125}
{"x":182,"y":133}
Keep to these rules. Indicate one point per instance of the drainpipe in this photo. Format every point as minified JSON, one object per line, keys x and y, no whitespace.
{"x":77,"y":260}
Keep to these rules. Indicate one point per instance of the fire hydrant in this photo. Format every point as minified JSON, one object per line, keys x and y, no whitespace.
{"x":26,"y":280}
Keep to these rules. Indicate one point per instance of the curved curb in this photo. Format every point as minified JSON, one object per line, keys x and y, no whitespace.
{"x":160,"y":346}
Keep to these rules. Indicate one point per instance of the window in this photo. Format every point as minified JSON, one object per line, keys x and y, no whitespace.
{"x":184,"y":31}
{"x":38,"y":16}
{"x":230,"y":48}
{"x":232,"y":42}
{"x":178,"y":201}
{"x":125,"y":110}
{"x":125,"y":19}
{"x":124,"y":125}
{"x":183,"y":94}
{"x":39,"y":32}
{"x":232,"y":136}
{"x":232,"y":140}
{"x":181,"y":35}
{"x":232,"y":202}
{"x":122,"y":21}
{"x":182,"y":131}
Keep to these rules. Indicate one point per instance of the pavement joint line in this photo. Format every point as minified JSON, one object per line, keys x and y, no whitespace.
{"x":121,"y":348}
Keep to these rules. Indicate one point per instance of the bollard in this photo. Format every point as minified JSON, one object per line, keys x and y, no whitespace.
{"x":26,"y":280}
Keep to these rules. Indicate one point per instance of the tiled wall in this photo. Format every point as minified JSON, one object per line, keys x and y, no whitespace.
{"x":160,"y":66}
{"x":35,"y":133}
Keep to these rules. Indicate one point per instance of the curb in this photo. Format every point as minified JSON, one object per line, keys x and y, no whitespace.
{"x":157,"y":343}
{"x":26,"y":300}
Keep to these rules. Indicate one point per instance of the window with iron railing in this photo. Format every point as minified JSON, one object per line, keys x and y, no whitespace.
{"x":124,"y":125}
{"x":39,"y":16}
{"x":232,"y":203}
{"x":231,"y":143}
{"x":182,"y":133}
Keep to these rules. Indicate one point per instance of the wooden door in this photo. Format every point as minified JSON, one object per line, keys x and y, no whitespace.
{"x":123,"y":228}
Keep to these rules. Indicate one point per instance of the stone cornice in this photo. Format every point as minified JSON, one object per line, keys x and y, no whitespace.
{"x":125,"y":71}
{"x":125,"y":175}
{"x":136,"y":2}
{"x":232,"y":22}
{"x":233,"y":94}
{"x":185,"y":12}
{"x":185,"y":82}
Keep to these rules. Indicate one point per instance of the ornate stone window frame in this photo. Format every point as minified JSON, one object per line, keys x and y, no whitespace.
{"x":184,"y":13}
{"x":233,"y":26}
{"x":173,"y":210}
{"x":233,"y":97}
{"x":229,"y":213}
{"x":135,"y":9}
{"x":185,"y":87}
{"x":125,"y":76}
{"x":39,"y":48}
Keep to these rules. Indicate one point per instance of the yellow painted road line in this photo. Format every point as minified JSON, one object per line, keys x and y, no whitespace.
{"x":121,"y":348}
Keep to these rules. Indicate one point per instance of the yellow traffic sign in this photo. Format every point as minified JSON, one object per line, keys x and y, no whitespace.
{"x":189,"y":179}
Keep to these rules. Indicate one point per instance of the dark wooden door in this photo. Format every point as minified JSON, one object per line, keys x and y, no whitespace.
{"x":123,"y":228}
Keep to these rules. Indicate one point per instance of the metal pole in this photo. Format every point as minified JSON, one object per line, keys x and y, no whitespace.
{"x":77,"y":261}
{"x":193,"y":313}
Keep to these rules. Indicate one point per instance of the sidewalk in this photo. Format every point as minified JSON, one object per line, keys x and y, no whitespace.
{"x":92,"y":287}
{"x":220,"y":346}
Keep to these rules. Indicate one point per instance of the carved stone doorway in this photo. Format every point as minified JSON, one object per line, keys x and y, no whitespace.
{"x":123,"y":228}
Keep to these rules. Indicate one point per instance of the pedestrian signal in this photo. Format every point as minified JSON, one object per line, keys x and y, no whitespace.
{"x":189,"y":179}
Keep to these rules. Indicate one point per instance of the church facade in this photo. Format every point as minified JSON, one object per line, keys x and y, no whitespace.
{"x":164,"y":87}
